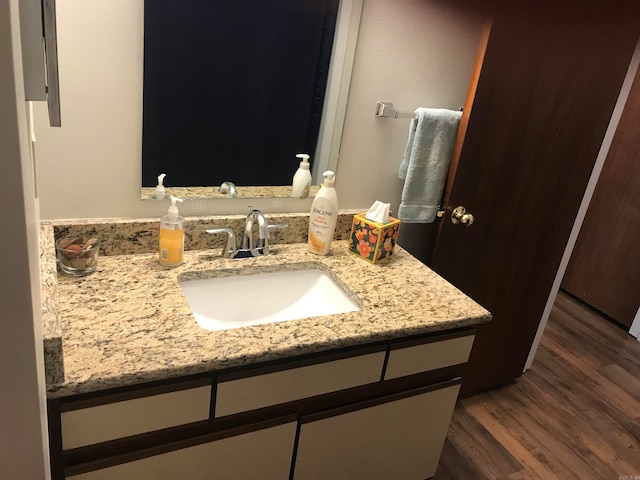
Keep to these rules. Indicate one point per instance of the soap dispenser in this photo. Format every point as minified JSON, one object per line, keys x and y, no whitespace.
{"x":171,"y":251}
{"x":159,"y":192}
{"x":302,"y":178}
{"x":323,"y":216}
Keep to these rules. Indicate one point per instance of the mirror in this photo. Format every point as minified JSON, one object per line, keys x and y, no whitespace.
{"x":251,"y":86}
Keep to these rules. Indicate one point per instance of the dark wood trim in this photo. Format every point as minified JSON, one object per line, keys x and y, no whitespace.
{"x":177,"y":445}
{"x":424,"y":341}
{"x":379,"y":401}
{"x":130,"y":392}
{"x":294,"y":456}
{"x":290,"y":364}
{"x":54,"y":421}
{"x":214,"y":398}
{"x":385,"y":363}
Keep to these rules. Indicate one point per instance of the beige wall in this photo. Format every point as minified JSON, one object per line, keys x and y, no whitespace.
{"x":23,"y":445}
{"x":411,"y":52}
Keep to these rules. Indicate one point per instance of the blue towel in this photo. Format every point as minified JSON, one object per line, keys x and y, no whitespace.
{"x":424,"y":168}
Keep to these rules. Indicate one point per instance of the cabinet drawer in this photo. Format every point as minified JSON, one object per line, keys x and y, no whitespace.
{"x":272,"y":388}
{"x":118,"y":419}
{"x":260,"y":454}
{"x":405,"y":359}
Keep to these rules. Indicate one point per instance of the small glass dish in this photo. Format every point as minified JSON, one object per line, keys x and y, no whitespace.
{"x":78,"y":254}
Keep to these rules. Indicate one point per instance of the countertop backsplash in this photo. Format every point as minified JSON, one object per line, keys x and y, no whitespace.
{"x":127,"y":237}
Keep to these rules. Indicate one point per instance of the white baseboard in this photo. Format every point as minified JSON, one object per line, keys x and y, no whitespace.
{"x":635,"y":326}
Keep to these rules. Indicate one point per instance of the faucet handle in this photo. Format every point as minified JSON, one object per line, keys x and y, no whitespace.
{"x":230,"y":247}
{"x":273,"y":226}
{"x":264,"y":242}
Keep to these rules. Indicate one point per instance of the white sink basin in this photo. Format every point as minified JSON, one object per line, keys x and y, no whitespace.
{"x":234,"y":301}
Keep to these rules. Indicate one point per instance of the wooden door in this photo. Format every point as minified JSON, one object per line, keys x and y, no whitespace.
{"x":604,"y":269}
{"x":545,"y":93}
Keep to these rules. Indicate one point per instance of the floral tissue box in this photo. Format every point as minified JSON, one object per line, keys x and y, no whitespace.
{"x":371,"y":240}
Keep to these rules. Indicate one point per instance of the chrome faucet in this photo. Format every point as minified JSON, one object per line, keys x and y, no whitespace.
{"x":230,"y":188}
{"x":249,"y":247}
{"x":255,"y":216}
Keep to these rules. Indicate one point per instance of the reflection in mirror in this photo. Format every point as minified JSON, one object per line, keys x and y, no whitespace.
{"x":232,"y":92}
{"x":217,"y":192}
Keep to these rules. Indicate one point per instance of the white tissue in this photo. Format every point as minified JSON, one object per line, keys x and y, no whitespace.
{"x":378,"y":212}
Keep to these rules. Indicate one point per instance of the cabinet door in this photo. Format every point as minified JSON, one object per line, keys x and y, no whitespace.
{"x":395,"y":437}
{"x":260,"y":454}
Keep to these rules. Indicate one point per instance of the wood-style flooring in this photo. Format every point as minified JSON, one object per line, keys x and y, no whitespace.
{"x":574,"y":415}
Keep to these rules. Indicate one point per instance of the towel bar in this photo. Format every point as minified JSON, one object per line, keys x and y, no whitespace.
{"x":387,"y":110}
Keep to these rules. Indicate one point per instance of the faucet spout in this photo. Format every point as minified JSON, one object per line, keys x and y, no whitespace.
{"x":230,"y":188}
{"x":255,"y":216}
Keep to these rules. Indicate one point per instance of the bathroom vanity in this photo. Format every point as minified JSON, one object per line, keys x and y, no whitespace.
{"x":147,"y":393}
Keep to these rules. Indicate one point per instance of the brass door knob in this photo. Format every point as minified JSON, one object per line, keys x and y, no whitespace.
{"x":460,"y":215}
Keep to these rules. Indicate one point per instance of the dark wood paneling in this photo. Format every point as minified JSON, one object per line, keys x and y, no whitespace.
{"x":604,"y":270}
{"x":574,"y":414}
{"x":548,"y":86}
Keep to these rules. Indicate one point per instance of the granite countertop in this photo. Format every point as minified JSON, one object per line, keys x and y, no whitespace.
{"x":129,"y":323}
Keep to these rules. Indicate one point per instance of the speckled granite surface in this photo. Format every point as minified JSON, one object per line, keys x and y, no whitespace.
{"x":214,"y":192}
{"x":129,"y":323}
{"x":135,"y":236}
{"x":51,"y":332}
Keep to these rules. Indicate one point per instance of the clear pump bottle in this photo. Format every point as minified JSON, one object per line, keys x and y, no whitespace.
{"x":171,"y":252}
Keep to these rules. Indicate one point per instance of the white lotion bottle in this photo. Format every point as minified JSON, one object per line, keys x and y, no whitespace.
{"x":323,"y":216}
{"x":159,"y":192}
{"x":302,"y":178}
